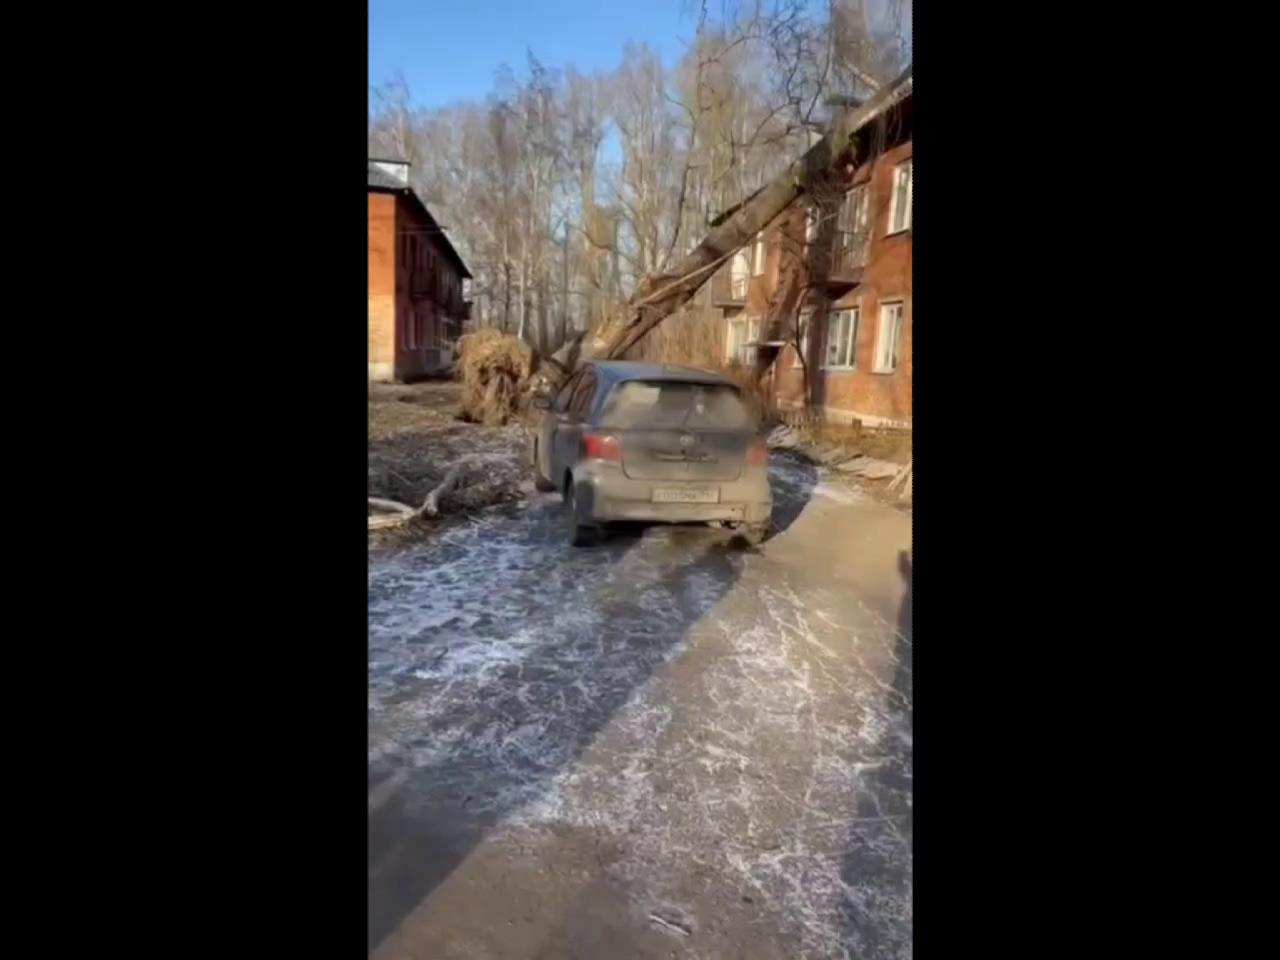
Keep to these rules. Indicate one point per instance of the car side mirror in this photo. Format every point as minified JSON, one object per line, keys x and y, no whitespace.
{"x":542,"y":403}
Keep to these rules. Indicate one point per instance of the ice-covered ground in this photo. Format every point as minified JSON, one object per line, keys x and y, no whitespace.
{"x":727,"y":733}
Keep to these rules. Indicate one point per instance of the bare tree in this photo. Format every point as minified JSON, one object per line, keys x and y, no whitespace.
{"x":632,"y":162}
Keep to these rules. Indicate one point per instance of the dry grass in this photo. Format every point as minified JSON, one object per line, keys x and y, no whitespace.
{"x":882,"y":443}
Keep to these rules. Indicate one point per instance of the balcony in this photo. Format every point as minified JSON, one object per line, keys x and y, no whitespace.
{"x":728,"y":290}
{"x":849,"y":258}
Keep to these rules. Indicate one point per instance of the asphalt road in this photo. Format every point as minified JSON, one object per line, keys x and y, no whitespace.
{"x":664,"y":746}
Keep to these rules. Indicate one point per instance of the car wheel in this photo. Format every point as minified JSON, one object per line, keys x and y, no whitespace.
{"x":540,"y":483}
{"x":753,"y":534}
{"x":580,"y":534}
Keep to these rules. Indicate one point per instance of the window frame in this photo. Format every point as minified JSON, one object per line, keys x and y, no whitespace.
{"x":747,"y":354}
{"x":895,"y":341}
{"x":759,"y":255}
{"x":730,"y":323}
{"x":895,"y":201}
{"x":740,"y":257}
{"x":851,"y":353}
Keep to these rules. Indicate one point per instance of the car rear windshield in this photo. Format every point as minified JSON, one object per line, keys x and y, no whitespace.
{"x":672,"y":403}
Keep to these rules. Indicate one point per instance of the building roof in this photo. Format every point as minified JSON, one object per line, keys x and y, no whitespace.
{"x":617,"y":370}
{"x":381,"y":179}
{"x":382,"y":182}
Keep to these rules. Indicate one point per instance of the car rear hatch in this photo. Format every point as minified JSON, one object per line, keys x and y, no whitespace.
{"x":673,"y":430}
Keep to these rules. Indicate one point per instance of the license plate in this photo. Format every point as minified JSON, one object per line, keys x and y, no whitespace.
{"x":686,"y":494}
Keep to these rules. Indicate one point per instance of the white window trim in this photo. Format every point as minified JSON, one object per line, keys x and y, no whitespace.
{"x":750,"y":335}
{"x":876,"y":365}
{"x":806,"y":327}
{"x":759,"y":254}
{"x":744,"y":278}
{"x":752,"y":338}
{"x":729,"y":355}
{"x":851,"y":357}
{"x":893,"y":200}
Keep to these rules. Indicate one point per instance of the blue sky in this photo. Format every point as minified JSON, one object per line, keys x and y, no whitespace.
{"x":450,"y":50}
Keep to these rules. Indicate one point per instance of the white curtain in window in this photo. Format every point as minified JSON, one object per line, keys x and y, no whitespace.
{"x":900,"y":205}
{"x":739,"y":269}
{"x":887,"y":337}
{"x":733,"y":341}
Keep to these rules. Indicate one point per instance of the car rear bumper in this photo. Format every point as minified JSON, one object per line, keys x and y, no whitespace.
{"x":605,"y":495}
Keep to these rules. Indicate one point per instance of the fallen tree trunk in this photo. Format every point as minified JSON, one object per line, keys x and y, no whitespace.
{"x":656,"y":300}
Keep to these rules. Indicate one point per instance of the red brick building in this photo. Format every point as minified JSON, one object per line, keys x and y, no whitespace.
{"x":848,"y":254}
{"x":416,"y":304}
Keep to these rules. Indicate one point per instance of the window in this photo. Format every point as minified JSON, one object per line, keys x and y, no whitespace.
{"x":735,"y":334}
{"x":670,"y":403}
{"x":853,"y":223}
{"x":812,"y":223}
{"x":806,"y":317}
{"x":757,"y":255}
{"x":741,"y":332}
{"x":900,"y":205}
{"x":739,"y":268}
{"x":887,"y":337}
{"x":842,"y":338}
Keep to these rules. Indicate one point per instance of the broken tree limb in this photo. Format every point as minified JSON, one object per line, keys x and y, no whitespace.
{"x":392,"y":506}
{"x":818,"y":165}
{"x":431,"y":506}
{"x":398,"y":513}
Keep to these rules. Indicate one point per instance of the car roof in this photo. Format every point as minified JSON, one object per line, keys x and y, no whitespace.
{"x":617,"y":371}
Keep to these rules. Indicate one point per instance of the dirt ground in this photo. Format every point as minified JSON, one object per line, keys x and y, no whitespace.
{"x":415,"y":437}
{"x":661,"y":747}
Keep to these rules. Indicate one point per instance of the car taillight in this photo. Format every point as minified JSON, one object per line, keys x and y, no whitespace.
{"x":758,"y":454}
{"x":601,"y":446}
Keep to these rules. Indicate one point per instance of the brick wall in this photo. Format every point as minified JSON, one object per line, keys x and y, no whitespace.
{"x":427,"y":316}
{"x":861,"y":392}
{"x":382,"y":286}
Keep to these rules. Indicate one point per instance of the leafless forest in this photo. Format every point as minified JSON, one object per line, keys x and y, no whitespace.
{"x":563,"y":188}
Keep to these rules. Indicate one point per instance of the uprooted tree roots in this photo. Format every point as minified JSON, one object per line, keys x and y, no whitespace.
{"x":494,"y":368}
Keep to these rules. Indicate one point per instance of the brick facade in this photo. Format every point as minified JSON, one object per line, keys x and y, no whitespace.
{"x":382,"y":286}
{"x":882,"y":277}
{"x":416,"y":305}
{"x":886,"y":279}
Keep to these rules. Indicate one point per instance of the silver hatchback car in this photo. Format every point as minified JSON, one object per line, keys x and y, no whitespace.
{"x":650,"y":442}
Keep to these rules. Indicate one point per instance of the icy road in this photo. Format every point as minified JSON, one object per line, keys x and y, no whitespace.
{"x":659,"y":747}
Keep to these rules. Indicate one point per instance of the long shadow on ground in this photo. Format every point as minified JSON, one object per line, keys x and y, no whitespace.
{"x":498,"y":655}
